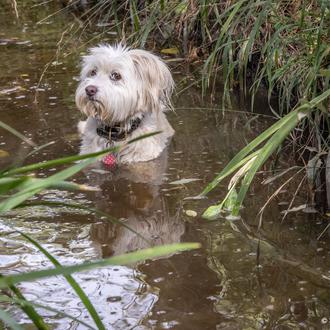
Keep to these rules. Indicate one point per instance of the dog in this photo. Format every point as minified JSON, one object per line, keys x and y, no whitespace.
{"x":124,"y":93}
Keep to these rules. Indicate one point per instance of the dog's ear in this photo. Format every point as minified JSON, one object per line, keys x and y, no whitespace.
{"x":156,"y":79}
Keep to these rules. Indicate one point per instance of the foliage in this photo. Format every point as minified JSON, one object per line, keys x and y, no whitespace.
{"x":283,"y":45}
{"x":248,"y":160}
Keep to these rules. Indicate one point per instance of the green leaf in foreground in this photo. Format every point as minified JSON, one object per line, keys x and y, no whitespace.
{"x":72,"y":159}
{"x":37,"y":186}
{"x":19,"y":302}
{"x":74,"y":284}
{"x":28,"y":309}
{"x":41,"y":184}
{"x":125,"y":259}
{"x":8,"y":320}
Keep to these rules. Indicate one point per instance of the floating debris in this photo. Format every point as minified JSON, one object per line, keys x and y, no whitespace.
{"x":170,"y":51}
{"x":184,"y":181}
{"x":3,"y":153}
{"x":191,"y":213}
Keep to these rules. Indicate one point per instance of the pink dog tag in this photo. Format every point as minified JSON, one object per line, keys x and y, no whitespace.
{"x":110,"y":160}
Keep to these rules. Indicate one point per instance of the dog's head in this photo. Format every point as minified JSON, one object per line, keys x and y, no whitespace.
{"x":118,"y":82}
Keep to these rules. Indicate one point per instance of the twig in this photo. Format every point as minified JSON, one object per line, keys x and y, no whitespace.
{"x":323,"y":231}
{"x":15,"y":8}
{"x":274,"y":195}
{"x":293,"y":198}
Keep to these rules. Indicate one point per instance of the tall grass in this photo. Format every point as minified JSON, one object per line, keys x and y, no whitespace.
{"x":281,"y":46}
{"x":17,"y":186}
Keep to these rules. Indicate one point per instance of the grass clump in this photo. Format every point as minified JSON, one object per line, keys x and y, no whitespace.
{"x":282,"y":45}
{"x":249,"y":160}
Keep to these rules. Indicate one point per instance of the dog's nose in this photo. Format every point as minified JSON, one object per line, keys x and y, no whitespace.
{"x":91,"y":90}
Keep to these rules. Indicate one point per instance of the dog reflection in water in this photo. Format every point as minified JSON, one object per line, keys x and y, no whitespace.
{"x":140,"y":205}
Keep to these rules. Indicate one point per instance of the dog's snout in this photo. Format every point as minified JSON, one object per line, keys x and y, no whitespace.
{"x":91,"y":90}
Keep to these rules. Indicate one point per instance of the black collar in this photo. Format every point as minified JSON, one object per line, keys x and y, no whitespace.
{"x":116,"y":132}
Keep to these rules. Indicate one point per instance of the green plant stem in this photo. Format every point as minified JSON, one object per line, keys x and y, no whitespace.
{"x":125,"y":259}
{"x":75,"y":286}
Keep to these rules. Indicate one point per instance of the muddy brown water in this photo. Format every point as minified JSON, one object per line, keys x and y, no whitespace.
{"x":220,"y":286}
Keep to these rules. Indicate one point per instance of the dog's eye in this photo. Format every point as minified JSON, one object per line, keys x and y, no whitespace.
{"x":93,"y":73}
{"x":115,"y":76}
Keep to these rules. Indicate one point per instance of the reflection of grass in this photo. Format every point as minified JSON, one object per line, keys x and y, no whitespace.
{"x":17,"y":185}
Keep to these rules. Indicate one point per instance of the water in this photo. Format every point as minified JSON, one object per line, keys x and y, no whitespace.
{"x":220,"y":286}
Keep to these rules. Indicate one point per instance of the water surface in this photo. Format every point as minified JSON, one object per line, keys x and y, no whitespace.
{"x":228,"y":284}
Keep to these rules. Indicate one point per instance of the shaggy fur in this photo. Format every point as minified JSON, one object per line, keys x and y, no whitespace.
{"x":126,"y":84}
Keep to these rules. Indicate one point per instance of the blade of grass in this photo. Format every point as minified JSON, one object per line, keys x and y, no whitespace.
{"x":47,"y":308}
{"x":72,"y":159}
{"x":240,"y":157}
{"x":89,"y":209}
{"x":273,"y":143}
{"x":134,"y":15}
{"x":41,"y":184}
{"x":56,"y":162}
{"x":8,"y":320}
{"x":125,"y":259}
{"x":75,"y":286}
{"x":148,"y":28}
{"x":28,"y":310}
{"x":16,"y":133}
{"x":247,"y":52}
{"x":7,"y":184}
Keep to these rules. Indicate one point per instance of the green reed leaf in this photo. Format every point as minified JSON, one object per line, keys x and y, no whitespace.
{"x":8,"y":320}
{"x":42,"y":306}
{"x":27,"y":309}
{"x":125,"y":259}
{"x":16,"y":133}
{"x":89,"y":209}
{"x":75,"y":286}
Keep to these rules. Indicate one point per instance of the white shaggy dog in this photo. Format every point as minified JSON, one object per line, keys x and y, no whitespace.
{"x":124,"y":92}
